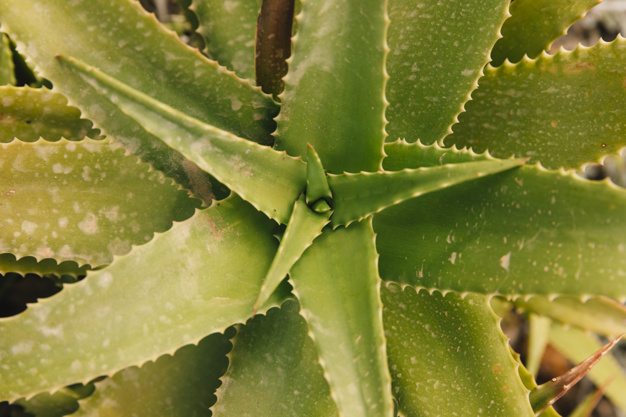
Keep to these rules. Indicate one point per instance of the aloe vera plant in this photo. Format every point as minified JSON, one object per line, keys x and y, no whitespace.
{"x":367,"y":227}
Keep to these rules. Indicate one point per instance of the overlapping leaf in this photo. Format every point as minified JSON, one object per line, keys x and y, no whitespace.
{"x":438,"y":51}
{"x":229,"y":30}
{"x":7,"y":69}
{"x":534,"y":24}
{"x":82,"y":201}
{"x":144,"y":307}
{"x":270,"y":180}
{"x":334,"y":91}
{"x":337,"y":283}
{"x":179,"y":385}
{"x":523,"y":231}
{"x":122,"y":40}
{"x":448,"y":356}
{"x":562,"y":110}
{"x":274,"y":370}
{"x":29,"y":114}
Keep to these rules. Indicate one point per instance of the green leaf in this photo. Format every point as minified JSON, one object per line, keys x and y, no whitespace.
{"x":61,"y":403}
{"x":334,"y":92}
{"x":546,"y":394}
{"x":448,"y":356}
{"x":32,"y":113}
{"x":121,"y":39}
{"x":303,"y":227}
{"x":147,"y":303}
{"x":578,"y":345}
{"x":402,"y":155}
{"x":533,"y":26}
{"x":270,"y":180}
{"x":356,"y":196}
{"x":87,"y":201}
{"x":179,"y":385}
{"x":562,"y":110}
{"x":229,"y":29}
{"x":538,"y":335}
{"x":274,"y":370}
{"x":316,"y":181}
{"x":438,"y":51}
{"x":527,"y":231}
{"x":337,"y":283}
{"x":7,"y":69}
{"x":30,"y":265}
{"x":596,"y":314}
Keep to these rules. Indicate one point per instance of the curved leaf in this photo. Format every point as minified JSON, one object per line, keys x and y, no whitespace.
{"x":303,"y":227}
{"x":32,"y":113}
{"x":448,"y":356}
{"x":356,"y":196}
{"x":181,"y":385}
{"x":546,"y":394}
{"x":438,"y":51}
{"x":229,"y":29}
{"x":527,"y":231}
{"x":334,"y":91}
{"x":534,"y":24}
{"x":577,"y":345}
{"x":596,"y":314}
{"x":7,"y":69}
{"x":121,"y":39}
{"x":403,"y":155}
{"x":86,"y":201}
{"x":337,"y":284}
{"x":147,"y":303}
{"x":269,"y":180}
{"x":562,"y":110}
{"x":274,"y":370}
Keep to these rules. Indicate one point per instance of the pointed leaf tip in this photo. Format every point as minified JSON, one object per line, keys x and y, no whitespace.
{"x":545,"y":395}
{"x":303,"y":227}
{"x":316,"y":182}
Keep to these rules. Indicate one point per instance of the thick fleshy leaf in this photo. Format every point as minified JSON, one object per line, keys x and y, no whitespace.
{"x":533,"y":26}
{"x":448,"y":356}
{"x":334,"y":92}
{"x":269,"y":180}
{"x":32,"y":113}
{"x":181,"y":385}
{"x":538,"y":336}
{"x":118,"y":37}
{"x":355,"y":196}
{"x":303,"y":227}
{"x":274,"y":370}
{"x":337,"y":283}
{"x":197,"y":278}
{"x":316,"y":180}
{"x":403,"y":155}
{"x":577,"y":345}
{"x":527,"y":231}
{"x":562,"y":110}
{"x":7,"y":69}
{"x":61,"y":403}
{"x":229,"y":29}
{"x":438,"y":51}
{"x":596,"y":314}
{"x":546,"y":394}
{"x":86,"y":201}
{"x":30,"y":265}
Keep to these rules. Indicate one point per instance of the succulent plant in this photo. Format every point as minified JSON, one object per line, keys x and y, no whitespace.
{"x":370,"y":227}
